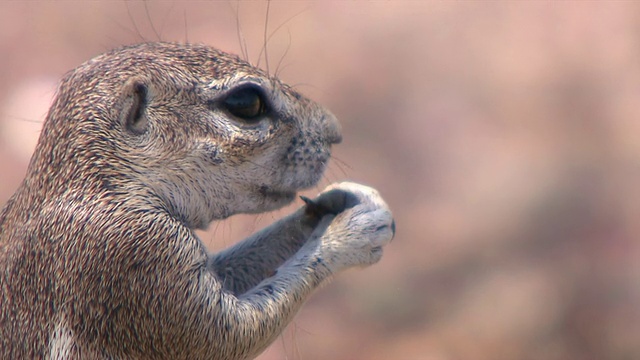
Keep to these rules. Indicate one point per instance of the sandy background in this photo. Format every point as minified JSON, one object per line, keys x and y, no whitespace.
{"x":505,"y":136}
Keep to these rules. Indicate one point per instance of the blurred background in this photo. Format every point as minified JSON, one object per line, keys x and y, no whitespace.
{"x":505,"y":136}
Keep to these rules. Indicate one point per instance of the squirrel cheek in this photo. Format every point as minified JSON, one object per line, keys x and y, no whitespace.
{"x":212,"y":153}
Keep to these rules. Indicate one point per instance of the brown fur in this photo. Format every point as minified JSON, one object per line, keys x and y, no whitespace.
{"x":98,"y":258}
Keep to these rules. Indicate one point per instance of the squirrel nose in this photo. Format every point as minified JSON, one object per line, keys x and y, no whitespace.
{"x":332,"y":130}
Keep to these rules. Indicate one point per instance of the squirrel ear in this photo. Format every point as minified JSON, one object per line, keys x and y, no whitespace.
{"x":134,"y":104}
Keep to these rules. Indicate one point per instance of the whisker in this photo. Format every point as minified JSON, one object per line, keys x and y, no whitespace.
{"x":325,"y":179}
{"x":229,"y":223}
{"x":133,"y":22}
{"x":186,"y":29}
{"x":289,"y":20}
{"x":281,"y":68}
{"x":19,"y":118}
{"x":286,"y":51}
{"x":284,"y":345}
{"x":265,"y":42}
{"x":308,"y":85}
{"x":166,"y":16}
{"x":268,"y":38}
{"x":148,"y":15}
{"x":294,"y":340}
{"x":215,"y":229}
{"x":339,"y":162}
{"x":331,"y":173}
{"x":256,"y":222}
{"x":121,"y":27}
{"x":242,"y":41}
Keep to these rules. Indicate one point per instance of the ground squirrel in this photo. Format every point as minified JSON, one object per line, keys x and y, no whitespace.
{"x":143,"y":145}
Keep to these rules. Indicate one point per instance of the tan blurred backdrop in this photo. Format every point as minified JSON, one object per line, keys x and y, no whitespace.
{"x":505,"y":136}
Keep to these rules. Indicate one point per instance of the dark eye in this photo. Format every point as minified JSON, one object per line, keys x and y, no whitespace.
{"x":246,"y":103}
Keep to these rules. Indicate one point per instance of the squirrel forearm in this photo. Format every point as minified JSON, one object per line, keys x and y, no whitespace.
{"x":248,"y":323}
{"x":244,"y":265}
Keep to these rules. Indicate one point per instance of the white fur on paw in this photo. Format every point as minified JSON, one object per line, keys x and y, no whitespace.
{"x":356,"y":236}
{"x":380,"y":228}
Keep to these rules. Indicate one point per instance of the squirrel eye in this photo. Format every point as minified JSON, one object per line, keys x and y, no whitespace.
{"x":246,"y":103}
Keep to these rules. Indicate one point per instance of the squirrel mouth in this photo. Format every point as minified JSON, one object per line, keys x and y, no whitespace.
{"x":278,"y":194}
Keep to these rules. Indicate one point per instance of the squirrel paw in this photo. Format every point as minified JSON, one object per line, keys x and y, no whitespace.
{"x":356,"y":225}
